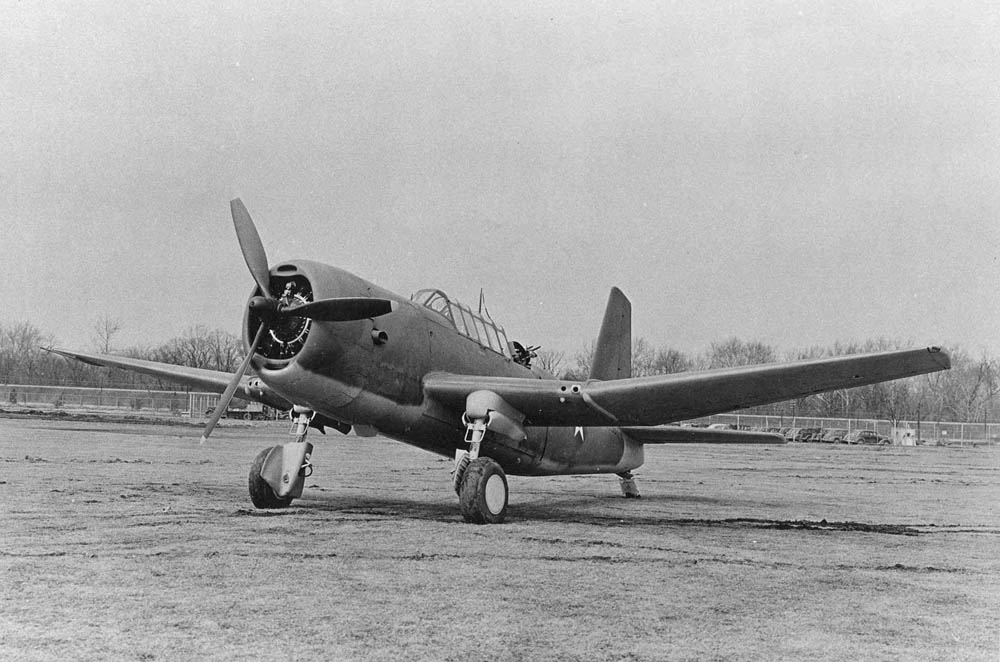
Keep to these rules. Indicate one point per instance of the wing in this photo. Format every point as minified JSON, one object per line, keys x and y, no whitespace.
{"x":663,"y":399}
{"x":210,"y":380}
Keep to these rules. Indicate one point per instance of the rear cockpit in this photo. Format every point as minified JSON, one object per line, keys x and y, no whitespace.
{"x":471,"y":324}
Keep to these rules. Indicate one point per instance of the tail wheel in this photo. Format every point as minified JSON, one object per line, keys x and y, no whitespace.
{"x":483,"y":493}
{"x":260,"y":492}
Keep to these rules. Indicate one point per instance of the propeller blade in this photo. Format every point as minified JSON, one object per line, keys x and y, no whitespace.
{"x":340,"y":309}
{"x":227,"y":395}
{"x":251,"y":245}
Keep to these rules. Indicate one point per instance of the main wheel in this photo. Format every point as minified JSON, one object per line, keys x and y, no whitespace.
{"x":483,"y":495}
{"x":260,"y":492}
{"x":463,"y":464}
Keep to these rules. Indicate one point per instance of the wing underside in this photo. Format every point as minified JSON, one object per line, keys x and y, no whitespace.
{"x":673,"y":434}
{"x":661,"y":399}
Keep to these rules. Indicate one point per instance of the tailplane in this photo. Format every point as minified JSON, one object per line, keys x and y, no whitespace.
{"x":613,"y":353}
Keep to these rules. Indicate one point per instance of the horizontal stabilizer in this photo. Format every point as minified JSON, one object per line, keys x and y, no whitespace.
{"x":674,"y":434}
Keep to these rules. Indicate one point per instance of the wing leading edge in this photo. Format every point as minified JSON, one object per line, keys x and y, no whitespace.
{"x":214,"y":381}
{"x":660,"y":399}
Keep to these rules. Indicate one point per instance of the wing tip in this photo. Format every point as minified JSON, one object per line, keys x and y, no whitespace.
{"x":75,"y":356}
{"x":940,"y":356}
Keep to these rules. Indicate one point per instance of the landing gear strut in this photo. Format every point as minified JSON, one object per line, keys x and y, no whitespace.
{"x":480,"y":482}
{"x":278,"y":474}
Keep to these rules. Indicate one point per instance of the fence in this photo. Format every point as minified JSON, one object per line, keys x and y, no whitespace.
{"x":929,"y":431}
{"x":178,"y":403}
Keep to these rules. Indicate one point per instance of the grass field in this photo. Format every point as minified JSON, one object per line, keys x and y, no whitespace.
{"x":132,"y":542}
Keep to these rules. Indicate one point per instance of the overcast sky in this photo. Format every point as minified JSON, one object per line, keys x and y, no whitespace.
{"x":796,"y":173}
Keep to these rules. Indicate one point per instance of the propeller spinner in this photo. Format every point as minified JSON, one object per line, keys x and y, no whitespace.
{"x":272,"y":311}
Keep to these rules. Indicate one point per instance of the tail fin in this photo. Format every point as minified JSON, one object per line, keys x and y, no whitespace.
{"x":613,"y":354}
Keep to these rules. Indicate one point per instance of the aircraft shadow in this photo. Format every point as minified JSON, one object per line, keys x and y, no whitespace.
{"x":612,"y":512}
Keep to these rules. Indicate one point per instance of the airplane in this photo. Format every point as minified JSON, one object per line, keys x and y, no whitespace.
{"x":340,"y":352}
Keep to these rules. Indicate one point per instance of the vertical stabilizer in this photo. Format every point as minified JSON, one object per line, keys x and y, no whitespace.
{"x":613,"y":354}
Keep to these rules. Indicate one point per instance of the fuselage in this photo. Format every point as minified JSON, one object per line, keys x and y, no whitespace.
{"x":369,"y":373}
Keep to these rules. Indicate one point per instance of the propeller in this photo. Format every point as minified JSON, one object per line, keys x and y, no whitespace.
{"x":269,"y":309}
{"x":340,"y":309}
{"x":227,"y":395}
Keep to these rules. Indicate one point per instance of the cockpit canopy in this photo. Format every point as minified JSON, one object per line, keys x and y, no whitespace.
{"x":473,"y":325}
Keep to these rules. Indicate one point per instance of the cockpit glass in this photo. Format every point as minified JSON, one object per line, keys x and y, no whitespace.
{"x":439,"y":304}
{"x":484,"y":335}
{"x":467,"y":327}
{"x":460,"y":321}
{"x":472,"y":325}
{"x":500,"y":343}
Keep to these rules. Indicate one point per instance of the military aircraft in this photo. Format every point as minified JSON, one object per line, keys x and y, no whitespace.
{"x":340,"y":352}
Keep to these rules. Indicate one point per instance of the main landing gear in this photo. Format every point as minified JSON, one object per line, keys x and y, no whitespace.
{"x":482,"y":491}
{"x":278,"y":474}
{"x":480,"y":482}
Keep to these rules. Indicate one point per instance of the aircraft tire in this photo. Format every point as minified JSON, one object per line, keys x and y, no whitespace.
{"x":460,"y":474}
{"x":261,"y":493}
{"x":483,"y":496}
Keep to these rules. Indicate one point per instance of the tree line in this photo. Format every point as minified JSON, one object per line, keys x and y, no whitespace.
{"x":969,"y":392}
{"x":23,"y":359}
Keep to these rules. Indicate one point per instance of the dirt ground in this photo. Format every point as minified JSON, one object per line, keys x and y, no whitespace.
{"x":132,"y":542}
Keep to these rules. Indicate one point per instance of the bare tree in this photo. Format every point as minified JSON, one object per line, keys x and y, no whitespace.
{"x":549,"y":360}
{"x":584,"y":360}
{"x":643,"y":357}
{"x":201,"y":347}
{"x":104,"y":331}
{"x":669,"y":361}
{"x":21,"y":357}
{"x":887,"y":400}
{"x":735,"y":352}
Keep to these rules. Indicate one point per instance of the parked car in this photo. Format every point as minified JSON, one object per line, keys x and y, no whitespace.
{"x":247,"y":410}
{"x":867,"y":437}
{"x":808,"y":434}
{"x":833,"y":436}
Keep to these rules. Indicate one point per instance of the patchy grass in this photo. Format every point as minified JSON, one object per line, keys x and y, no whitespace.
{"x":142,"y":545}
